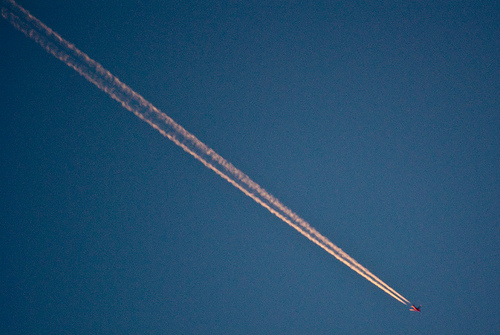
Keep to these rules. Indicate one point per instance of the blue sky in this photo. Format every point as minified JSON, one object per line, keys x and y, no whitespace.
{"x":377,"y":123}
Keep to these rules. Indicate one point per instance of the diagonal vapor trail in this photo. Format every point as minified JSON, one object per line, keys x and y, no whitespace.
{"x":65,"y":51}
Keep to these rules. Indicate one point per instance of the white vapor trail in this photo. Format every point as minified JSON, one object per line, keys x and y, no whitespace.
{"x":65,"y":51}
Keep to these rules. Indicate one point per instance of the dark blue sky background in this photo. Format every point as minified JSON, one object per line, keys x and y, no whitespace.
{"x":377,"y":123}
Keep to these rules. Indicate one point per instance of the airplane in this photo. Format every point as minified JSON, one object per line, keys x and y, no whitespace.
{"x":415,"y":309}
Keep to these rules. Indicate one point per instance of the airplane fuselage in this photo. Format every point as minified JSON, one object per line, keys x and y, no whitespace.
{"x":415,"y":309}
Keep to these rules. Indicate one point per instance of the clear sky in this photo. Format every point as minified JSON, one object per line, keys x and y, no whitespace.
{"x":377,"y":123}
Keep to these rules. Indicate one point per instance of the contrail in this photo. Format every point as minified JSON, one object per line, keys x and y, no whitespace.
{"x":65,"y":51}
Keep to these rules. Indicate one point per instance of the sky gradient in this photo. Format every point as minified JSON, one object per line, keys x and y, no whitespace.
{"x":378,"y":124}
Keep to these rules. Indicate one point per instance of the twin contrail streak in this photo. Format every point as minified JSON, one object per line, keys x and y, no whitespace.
{"x":105,"y":81}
